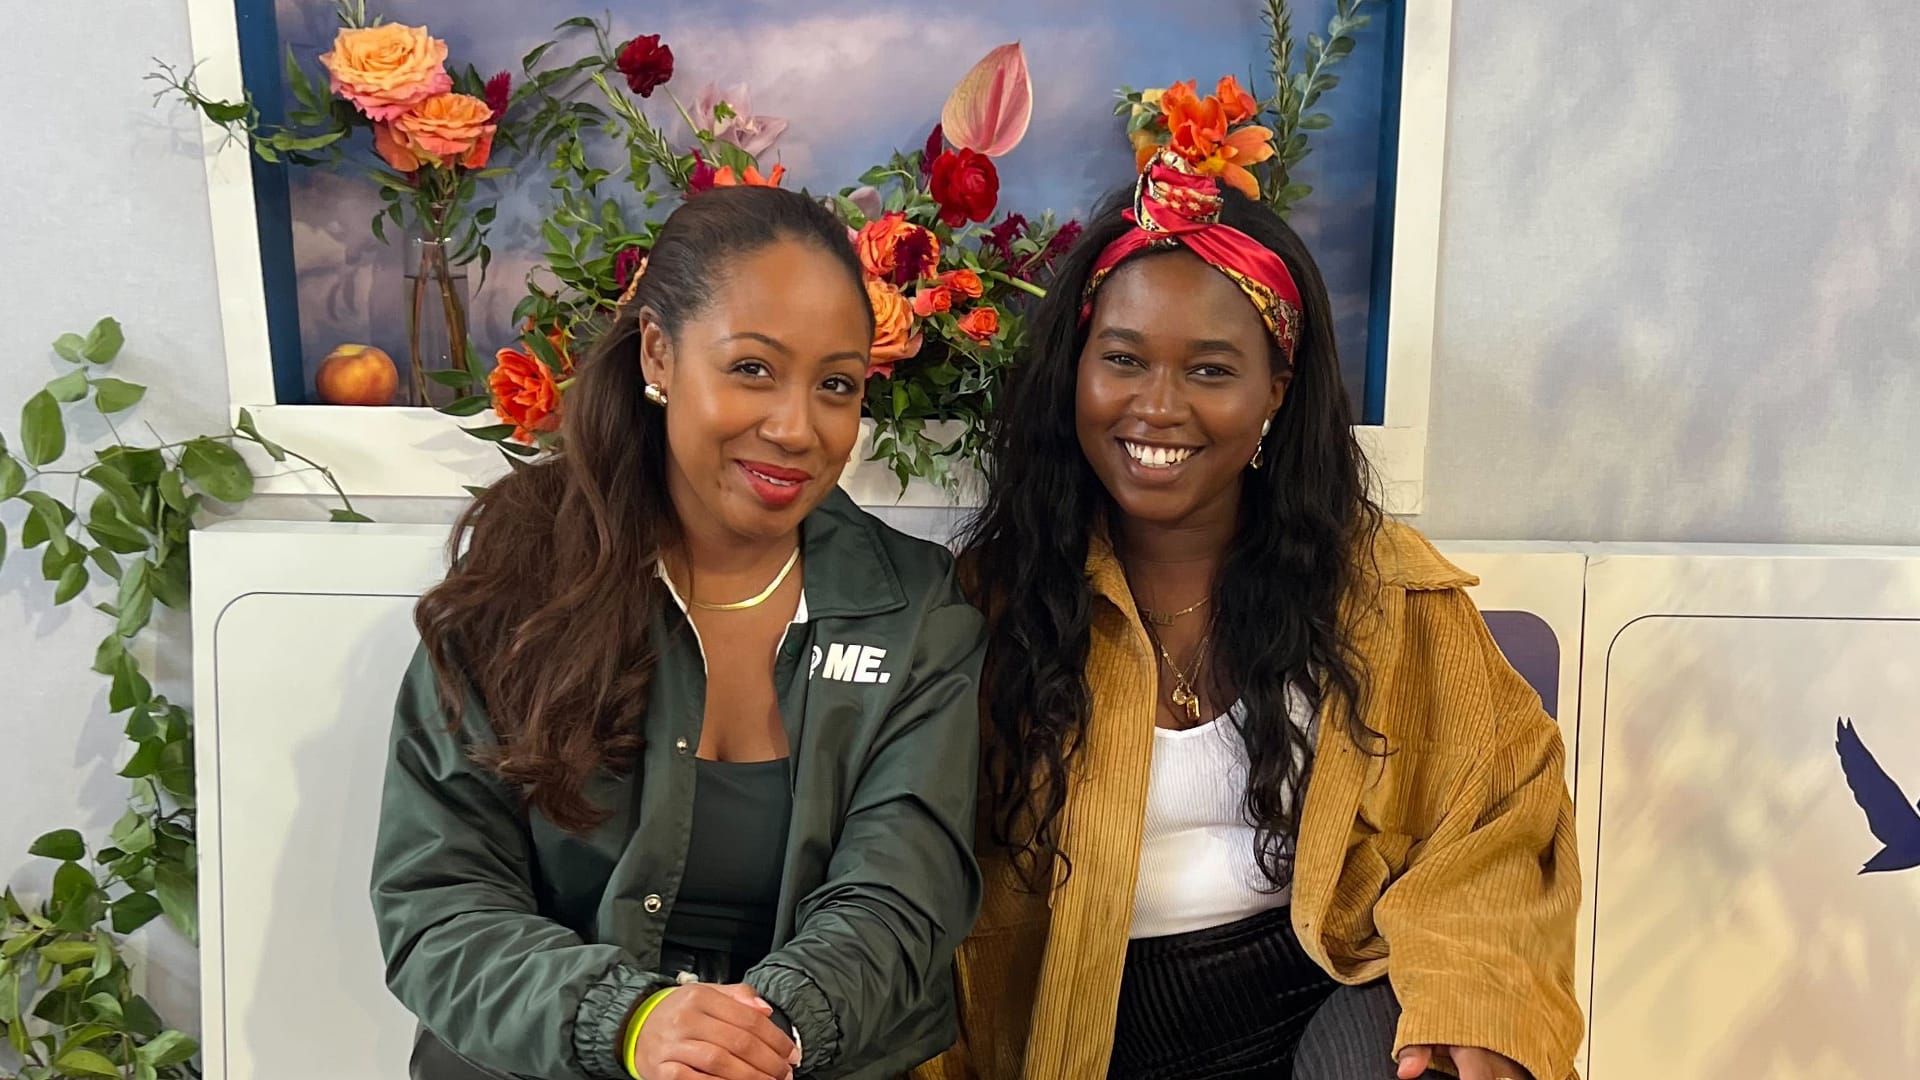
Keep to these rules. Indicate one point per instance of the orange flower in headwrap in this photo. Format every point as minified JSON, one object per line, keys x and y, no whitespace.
{"x":1199,"y":132}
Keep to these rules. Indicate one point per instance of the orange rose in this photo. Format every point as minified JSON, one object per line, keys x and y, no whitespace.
{"x":1237,"y":103}
{"x":446,"y":126}
{"x":524,"y":394}
{"x":981,"y":324}
{"x":386,"y":70}
{"x":393,"y":149}
{"x":964,"y":282}
{"x":932,"y":301}
{"x":893,"y":336}
{"x":883,"y":241}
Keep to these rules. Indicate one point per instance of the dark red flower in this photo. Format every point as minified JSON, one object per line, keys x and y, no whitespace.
{"x":936,"y":142}
{"x":646,"y":63}
{"x":916,"y":256}
{"x":629,"y":260}
{"x":966,"y":185}
{"x":499,"y":94}
{"x":1000,"y":239}
{"x":702,"y":177}
{"x":1062,"y":240}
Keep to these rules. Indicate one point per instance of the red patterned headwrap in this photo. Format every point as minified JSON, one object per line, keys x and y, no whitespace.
{"x":1172,"y":205}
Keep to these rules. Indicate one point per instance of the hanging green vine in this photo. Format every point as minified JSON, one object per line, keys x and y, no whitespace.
{"x":117,"y":519}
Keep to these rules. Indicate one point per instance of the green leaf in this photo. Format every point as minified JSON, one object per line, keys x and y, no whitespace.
{"x":69,"y":388}
{"x":169,"y":1048}
{"x":532,"y":58}
{"x":13,"y":478}
{"x":138,"y":466}
{"x":284,"y":142}
{"x":136,"y":600}
{"x":176,"y":769}
{"x":3,"y":542}
{"x":43,"y":434}
{"x":73,"y":579}
{"x":457,"y":378}
{"x":141,"y":1019}
{"x":104,"y":958}
{"x":107,"y":1007}
{"x":491,"y":432}
{"x":468,"y":406}
{"x":106,"y":658}
{"x":178,"y":900}
{"x":88,"y":1033}
{"x":51,"y":517}
{"x":145,"y":762}
{"x":117,"y":395}
{"x":133,"y":911}
{"x":218,"y":470}
{"x":103,"y":342}
{"x":67,"y":845}
{"x":129,"y":688}
{"x":68,"y":953}
{"x":110,"y":480}
{"x":78,"y":1060}
{"x":70,"y":347}
{"x":174,"y":493}
{"x":77,"y":897}
{"x":226,"y":112}
{"x":108,"y":563}
{"x":246,"y":425}
{"x":170,"y":583}
{"x":349,"y":517}
{"x":1315,"y":122}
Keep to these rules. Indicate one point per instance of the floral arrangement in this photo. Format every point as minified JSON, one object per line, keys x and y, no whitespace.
{"x":946,"y":271}
{"x":434,"y":130}
{"x":950,"y":272}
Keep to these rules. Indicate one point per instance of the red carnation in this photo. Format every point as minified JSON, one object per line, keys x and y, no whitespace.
{"x":499,"y":94}
{"x":1063,"y":240}
{"x":966,"y":185}
{"x":646,"y":63}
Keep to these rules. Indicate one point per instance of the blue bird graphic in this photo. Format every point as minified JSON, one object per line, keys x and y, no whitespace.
{"x":1893,"y":820}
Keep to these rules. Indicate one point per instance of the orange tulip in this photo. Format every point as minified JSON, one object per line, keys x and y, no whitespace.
{"x":1239,"y":105}
{"x":524,"y":394}
{"x":725,"y":177}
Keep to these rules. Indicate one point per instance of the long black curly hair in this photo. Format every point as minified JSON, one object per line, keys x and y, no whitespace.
{"x":1305,"y":534}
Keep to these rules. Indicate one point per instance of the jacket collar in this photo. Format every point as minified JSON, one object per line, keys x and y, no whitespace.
{"x":848,"y":569}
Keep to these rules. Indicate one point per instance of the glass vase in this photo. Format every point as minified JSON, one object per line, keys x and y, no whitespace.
{"x":436,"y":319}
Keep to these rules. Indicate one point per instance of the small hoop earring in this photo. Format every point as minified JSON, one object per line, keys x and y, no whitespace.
{"x":1260,"y":448}
{"x":656,"y":395}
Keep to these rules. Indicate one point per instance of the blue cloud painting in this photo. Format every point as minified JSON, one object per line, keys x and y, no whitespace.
{"x":855,"y":80}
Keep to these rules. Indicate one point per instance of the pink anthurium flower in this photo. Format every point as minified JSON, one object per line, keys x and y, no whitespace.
{"x":989,"y":111}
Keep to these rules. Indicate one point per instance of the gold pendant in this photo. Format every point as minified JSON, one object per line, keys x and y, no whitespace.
{"x":1184,"y":698}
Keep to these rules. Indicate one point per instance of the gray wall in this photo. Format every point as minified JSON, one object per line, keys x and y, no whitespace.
{"x":1678,"y":300}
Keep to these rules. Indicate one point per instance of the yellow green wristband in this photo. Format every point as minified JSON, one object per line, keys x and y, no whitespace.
{"x":633,"y":1029}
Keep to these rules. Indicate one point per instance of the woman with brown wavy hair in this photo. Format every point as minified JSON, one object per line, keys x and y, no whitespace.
{"x":682,"y":779}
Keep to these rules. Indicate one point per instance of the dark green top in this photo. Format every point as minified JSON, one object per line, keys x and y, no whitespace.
{"x":730,"y":896}
{"x":525,"y":948}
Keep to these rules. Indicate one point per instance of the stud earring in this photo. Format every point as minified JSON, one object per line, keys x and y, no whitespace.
{"x":656,"y":395}
{"x":1260,"y":448}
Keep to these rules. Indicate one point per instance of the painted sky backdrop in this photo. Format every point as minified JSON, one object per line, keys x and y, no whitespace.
{"x":855,"y":80}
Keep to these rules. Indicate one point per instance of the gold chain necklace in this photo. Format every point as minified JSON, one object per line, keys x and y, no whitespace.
{"x":753,"y":601}
{"x":1160,"y":618}
{"x":1183,"y":695}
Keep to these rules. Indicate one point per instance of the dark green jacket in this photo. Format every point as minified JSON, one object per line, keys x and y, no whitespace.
{"x":525,"y":948}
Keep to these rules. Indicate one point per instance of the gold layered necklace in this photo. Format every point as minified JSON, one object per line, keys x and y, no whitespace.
{"x":1185,"y":699}
{"x":759,"y":598}
{"x":1162,"y":618}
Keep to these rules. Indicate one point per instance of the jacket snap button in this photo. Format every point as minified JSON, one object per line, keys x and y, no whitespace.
{"x":651,"y":903}
{"x":680,"y":745}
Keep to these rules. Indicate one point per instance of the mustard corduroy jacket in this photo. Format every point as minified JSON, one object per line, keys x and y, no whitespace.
{"x":1448,"y":865}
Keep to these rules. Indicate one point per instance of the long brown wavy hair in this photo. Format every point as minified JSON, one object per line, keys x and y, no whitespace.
{"x":545,"y":613}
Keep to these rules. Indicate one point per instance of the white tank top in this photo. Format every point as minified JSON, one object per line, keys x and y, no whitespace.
{"x":1198,"y":863}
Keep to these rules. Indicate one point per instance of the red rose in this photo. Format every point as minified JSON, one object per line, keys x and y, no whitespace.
{"x":936,"y":142}
{"x":646,"y":63}
{"x":966,"y":185}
